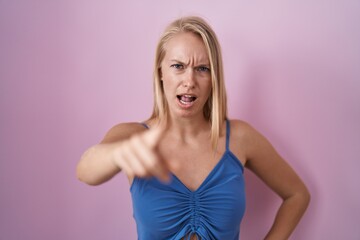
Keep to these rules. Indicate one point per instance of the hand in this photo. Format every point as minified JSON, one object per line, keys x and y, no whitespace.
{"x":138,"y":156}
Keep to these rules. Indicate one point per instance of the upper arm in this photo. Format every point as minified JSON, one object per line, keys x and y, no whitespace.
{"x":122,"y":131}
{"x":268,"y":165}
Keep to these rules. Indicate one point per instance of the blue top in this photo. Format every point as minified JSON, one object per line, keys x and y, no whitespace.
{"x":173,"y":211}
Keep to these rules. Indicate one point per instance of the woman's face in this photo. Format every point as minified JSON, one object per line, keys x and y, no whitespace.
{"x":185,"y":72}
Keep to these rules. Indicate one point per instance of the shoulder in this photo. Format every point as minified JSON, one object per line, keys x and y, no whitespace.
{"x":123,"y":131}
{"x":242,"y":129}
{"x":245,"y":135}
{"x":254,"y":144}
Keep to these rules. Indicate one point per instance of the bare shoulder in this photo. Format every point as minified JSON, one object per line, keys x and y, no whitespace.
{"x":245,"y":139}
{"x":122,"y":131}
{"x":241,"y":130}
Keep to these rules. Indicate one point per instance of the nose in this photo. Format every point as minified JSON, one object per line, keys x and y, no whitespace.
{"x":189,"y":79}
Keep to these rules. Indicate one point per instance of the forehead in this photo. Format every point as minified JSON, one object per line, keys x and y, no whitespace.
{"x":186,"y":45}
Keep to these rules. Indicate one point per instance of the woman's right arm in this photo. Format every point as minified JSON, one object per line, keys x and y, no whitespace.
{"x":126,"y":147}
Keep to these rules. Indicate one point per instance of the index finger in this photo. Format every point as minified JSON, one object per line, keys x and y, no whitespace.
{"x":151,"y":156}
{"x":154,"y":135}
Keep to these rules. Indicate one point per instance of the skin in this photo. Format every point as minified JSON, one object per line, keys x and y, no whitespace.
{"x":173,"y":146}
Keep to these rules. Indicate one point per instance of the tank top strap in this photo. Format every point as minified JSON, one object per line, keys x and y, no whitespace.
{"x":227,"y":134}
{"x":145,"y":125}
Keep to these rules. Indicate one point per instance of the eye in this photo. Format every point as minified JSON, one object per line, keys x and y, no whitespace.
{"x":177,"y":66}
{"x":203,"y":69}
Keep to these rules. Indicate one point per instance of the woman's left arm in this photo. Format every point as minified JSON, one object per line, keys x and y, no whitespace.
{"x":268,"y":165}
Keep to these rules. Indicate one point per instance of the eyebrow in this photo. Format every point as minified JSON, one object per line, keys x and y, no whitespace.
{"x":201,"y":64}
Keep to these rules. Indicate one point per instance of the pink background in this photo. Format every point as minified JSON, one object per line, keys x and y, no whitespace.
{"x":69,"y":70}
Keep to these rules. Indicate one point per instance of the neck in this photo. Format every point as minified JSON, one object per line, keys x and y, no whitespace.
{"x":188,"y":127}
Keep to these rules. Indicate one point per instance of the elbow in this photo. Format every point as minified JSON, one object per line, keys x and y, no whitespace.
{"x":301,"y":197}
{"x":307,"y":197}
{"x":84,"y":171}
{"x":304,"y":198}
{"x":82,"y":174}
{"x":87,"y":180}
{"x":92,"y":171}
{"x":90,"y":183}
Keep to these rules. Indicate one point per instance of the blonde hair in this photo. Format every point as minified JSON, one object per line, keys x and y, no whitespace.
{"x":215,"y":109}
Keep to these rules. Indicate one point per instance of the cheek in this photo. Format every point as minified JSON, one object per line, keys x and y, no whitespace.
{"x":165,"y":73}
{"x":170,"y":81}
{"x":166,"y":87}
{"x":169,"y":78}
{"x":166,"y":78}
{"x":207,"y":86}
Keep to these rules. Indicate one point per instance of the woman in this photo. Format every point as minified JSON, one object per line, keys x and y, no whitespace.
{"x":185,"y":163}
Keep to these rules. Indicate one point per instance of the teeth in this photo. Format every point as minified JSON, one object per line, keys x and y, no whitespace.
{"x":186,"y":99}
{"x":185,"y":95}
{"x":185,"y":103}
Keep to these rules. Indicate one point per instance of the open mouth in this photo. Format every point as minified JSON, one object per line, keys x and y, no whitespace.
{"x":186,"y":99}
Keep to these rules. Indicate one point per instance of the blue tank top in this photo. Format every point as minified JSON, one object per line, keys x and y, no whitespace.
{"x":172,"y":211}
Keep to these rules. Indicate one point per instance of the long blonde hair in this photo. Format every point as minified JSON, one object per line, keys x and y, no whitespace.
{"x":215,"y":109}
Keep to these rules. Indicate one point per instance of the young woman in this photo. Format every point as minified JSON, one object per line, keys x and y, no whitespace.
{"x":185,"y":163}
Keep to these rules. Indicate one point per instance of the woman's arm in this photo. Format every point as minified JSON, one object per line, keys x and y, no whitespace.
{"x":268,"y":165}
{"x":97,"y":163}
{"x":127,"y":147}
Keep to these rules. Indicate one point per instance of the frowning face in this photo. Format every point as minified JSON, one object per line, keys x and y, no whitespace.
{"x":185,"y":72}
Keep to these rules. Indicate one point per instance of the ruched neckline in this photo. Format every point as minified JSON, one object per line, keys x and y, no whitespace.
{"x":173,"y":211}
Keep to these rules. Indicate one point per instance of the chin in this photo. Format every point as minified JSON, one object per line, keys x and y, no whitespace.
{"x":180,"y":113}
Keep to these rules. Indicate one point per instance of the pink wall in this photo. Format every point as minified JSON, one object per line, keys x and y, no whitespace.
{"x":69,"y":70}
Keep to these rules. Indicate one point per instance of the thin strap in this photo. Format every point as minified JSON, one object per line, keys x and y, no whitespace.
{"x":227,"y":134}
{"x":144,"y":124}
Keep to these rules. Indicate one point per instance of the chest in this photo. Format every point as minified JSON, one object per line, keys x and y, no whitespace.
{"x":192,"y":164}
{"x":163,"y":209}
